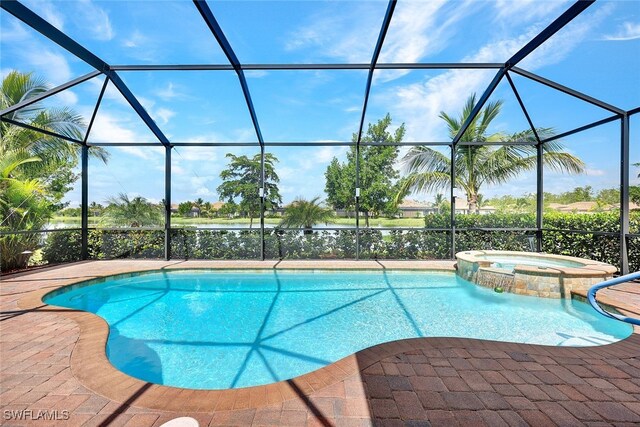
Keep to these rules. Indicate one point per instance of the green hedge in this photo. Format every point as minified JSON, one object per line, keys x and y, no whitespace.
{"x":62,"y":246}
{"x":472,"y":232}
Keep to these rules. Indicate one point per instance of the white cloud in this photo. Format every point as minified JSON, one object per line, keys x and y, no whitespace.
{"x":627,"y":31}
{"x":112,"y":128}
{"x":164,"y":114}
{"x":141,"y":47}
{"x":595,"y":172}
{"x":141,"y":152}
{"x":47,"y":10}
{"x":326,"y":154}
{"x":525,"y":10}
{"x":197,"y":154}
{"x":559,"y":46}
{"x":418,"y":104}
{"x":68,"y":97}
{"x":53,"y":65}
{"x":335,"y":35}
{"x":94,"y":20}
{"x":255,"y":74}
{"x":176,"y":170}
{"x":168,"y":93}
{"x":136,"y":39}
{"x":420,"y":29}
{"x":199,"y":186}
{"x":36,"y":55}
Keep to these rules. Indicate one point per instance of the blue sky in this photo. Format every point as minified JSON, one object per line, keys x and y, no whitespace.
{"x":598,"y":54}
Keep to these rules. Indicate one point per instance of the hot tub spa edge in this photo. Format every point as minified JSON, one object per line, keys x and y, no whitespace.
{"x":547,"y":282}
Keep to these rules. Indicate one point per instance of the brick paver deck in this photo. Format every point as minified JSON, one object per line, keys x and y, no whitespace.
{"x":44,"y":366}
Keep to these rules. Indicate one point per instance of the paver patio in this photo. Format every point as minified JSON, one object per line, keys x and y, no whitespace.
{"x":53,"y":360}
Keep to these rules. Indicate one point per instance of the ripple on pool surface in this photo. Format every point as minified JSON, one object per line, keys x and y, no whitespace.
{"x":226,"y":329}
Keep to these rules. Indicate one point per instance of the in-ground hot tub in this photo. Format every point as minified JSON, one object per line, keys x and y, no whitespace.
{"x":526,"y":273}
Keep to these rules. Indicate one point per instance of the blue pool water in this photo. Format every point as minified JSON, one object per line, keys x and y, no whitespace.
{"x":227,"y":329}
{"x":510,"y":262}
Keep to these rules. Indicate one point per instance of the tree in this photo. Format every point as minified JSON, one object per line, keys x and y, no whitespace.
{"x":441,"y":203}
{"x":22,"y":207}
{"x":609,"y":196}
{"x":305,"y":213}
{"x":378,"y":177}
{"x":241,"y":180}
{"x":37,"y":168}
{"x":478,"y":165}
{"x":228,"y":209}
{"x":578,"y":194}
{"x":136,"y":212}
{"x":634,"y":194}
{"x":58,"y":157}
{"x":184,"y":208}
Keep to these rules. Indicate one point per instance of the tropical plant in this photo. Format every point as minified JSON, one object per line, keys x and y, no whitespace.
{"x":184,"y":208}
{"x":241,"y":180}
{"x":485,"y":164}
{"x":54,"y":153}
{"x":22,"y":207}
{"x":378,"y":176}
{"x":37,"y":168}
{"x":135,"y":212}
{"x":304,"y":214}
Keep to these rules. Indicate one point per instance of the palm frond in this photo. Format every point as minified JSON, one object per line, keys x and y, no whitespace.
{"x":425,"y":159}
{"x":419,"y":182}
{"x":563,"y":162}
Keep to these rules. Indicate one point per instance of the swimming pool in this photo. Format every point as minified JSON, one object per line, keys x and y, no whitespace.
{"x":207,"y":329}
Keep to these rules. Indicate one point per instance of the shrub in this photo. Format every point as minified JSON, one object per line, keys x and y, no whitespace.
{"x":62,"y":246}
{"x":472,"y":232}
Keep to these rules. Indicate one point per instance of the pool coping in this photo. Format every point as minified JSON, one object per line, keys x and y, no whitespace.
{"x":90,"y":365}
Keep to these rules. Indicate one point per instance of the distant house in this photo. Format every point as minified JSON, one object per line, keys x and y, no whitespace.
{"x":217,"y":205}
{"x":589,"y":207}
{"x":410,"y":208}
{"x":174,"y":208}
{"x":582,"y":207}
{"x":462,"y":207}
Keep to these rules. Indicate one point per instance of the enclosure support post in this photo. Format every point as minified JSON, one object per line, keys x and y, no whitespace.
{"x":624,"y":193}
{"x":167,"y":203}
{"x":357,"y":204}
{"x":84,"y":206}
{"x":452,"y":219}
{"x":262,"y":198}
{"x":539,"y":195}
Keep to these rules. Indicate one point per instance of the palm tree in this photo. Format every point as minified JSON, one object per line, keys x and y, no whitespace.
{"x":305,"y":213}
{"x":478,"y":165}
{"x":136,"y":212}
{"x":35,"y":168}
{"x":439,"y":202}
{"x":52,"y":151}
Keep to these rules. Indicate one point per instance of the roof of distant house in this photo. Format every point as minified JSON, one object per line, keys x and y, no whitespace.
{"x":413,"y":204}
